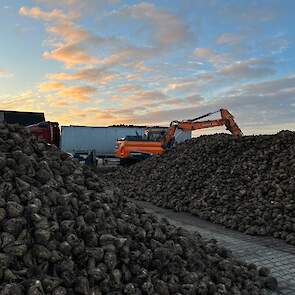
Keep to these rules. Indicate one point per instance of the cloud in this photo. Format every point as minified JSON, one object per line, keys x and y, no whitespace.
{"x":255,"y":106}
{"x":72,"y":43}
{"x":58,"y":102}
{"x":79,"y":6}
{"x":141,"y":101}
{"x":141,"y":67}
{"x":143,"y":97}
{"x":129,"y":88}
{"x":193,"y":99}
{"x":166,"y":116}
{"x":62,"y":76}
{"x":170,"y":103}
{"x":167,"y":28}
{"x":94,"y":75}
{"x":271,"y":86}
{"x":147,"y":79}
{"x":251,"y":13}
{"x":37,"y":13}
{"x":69,"y":32}
{"x":189,"y":84}
{"x":71,"y":50}
{"x":275,"y":44}
{"x":205,"y":53}
{"x":229,"y":39}
{"x":50,"y":86}
{"x":211,"y":56}
{"x":129,"y":56}
{"x":75,"y":93}
{"x":150,"y":96}
{"x":5,"y":74}
{"x":49,"y":102}
{"x":71,"y":55}
{"x":25,"y":101}
{"x":90,"y":116}
{"x":249,"y":69}
{"x":242,"y":69}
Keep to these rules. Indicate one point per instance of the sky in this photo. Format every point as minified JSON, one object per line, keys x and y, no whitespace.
{"x":104,"y":62}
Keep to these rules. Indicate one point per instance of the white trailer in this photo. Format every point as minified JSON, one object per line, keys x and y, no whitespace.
{"x":102,"y":140}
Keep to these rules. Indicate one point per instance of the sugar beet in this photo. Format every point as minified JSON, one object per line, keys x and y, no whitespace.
{"x":65,"y":232}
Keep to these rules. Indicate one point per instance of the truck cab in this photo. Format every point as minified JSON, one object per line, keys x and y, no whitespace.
{"x":48,"y":131}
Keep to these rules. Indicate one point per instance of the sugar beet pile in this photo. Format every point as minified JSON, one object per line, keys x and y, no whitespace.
{"x":63,"y":232}
{"x":246,"y":184}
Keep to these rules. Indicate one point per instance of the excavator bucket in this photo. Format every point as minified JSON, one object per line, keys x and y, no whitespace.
{"x":230,"y":123}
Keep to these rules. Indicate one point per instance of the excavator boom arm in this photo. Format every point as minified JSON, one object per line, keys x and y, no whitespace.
{"x":227,"y":119}
{"x":187,"y":126}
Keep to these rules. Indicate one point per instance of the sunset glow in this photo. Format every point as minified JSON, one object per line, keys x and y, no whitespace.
{"x":102,"y":62}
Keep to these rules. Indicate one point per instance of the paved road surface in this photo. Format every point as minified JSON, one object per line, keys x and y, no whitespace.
{"x":263,"y":251}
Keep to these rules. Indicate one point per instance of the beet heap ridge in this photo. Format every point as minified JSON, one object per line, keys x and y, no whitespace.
{"x":246,"y":184}
{"x":64,"y":232}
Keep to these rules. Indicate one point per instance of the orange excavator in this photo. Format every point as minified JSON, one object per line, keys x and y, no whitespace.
{"x":155,"y":142}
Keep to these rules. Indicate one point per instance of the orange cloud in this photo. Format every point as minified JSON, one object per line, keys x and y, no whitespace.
{"x":56,"y":103}
{"x":90,"y":117}
{"x":50,"y":86}
{"x":25,"y":101}
{"x":106,"y":115}
{"x":71,"y":55}
{"x":130,"y":56}
{"x":37,"y":13}
{"x":94,"y":75}
{"x":77,"y":93}
{"x":69,"y":32}
{"x":62,"y":76}
{"x":129,"y":88}
{"x":71,"y":52}
{"x":79,"y":5}
{"x":141,"y":67}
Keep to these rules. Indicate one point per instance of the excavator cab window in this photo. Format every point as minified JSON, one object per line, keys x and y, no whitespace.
{"x":154,"y":135}
{"x":132,"y":138}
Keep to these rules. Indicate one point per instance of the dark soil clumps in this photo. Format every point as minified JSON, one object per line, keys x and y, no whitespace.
{"x":64,"y":232}
{"x":246,"y":184}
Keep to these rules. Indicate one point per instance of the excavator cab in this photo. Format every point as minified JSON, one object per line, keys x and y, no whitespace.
{"x":154,"y":134}
{"x":136,"y":148}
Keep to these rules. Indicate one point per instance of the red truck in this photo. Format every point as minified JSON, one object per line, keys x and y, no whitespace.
{"x":35,"y":121}
{"x":49,"y":131}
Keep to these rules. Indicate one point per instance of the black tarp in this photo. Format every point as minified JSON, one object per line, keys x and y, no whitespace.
{"x":22,"y":118}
